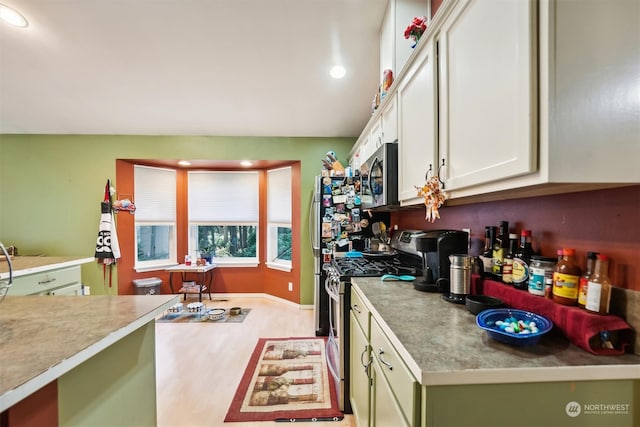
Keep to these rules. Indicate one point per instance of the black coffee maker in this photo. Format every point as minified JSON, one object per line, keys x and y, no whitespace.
{"x":436,"y":246}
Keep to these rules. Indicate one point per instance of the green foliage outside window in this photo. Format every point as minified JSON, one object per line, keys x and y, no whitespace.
{"x":238,"y":241}
{"x":284,"y":243}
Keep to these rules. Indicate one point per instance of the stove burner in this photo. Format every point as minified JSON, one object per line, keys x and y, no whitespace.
{"x":364,"y":267}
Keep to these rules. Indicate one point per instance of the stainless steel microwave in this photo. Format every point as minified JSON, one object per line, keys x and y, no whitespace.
{"x":379,"y":177}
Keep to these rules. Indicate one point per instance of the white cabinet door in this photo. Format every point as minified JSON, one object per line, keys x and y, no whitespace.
{"x":593,"y":90}
{"x":487,"y":91}
{"x":417,"y":125}
{"x":375,"y":137}
{"x":390,"y":120}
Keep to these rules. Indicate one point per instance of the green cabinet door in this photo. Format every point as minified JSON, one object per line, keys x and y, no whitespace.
{"x":384,"y":408}
{"x":359,"y":376}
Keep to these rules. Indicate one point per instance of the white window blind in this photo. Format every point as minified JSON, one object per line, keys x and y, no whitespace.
{"x":230,"y":197}
{"x":155,"y":194}
{"x":279,"y":195}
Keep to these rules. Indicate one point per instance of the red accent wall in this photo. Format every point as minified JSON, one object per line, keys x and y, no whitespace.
{"x":435,"y":4}
{"x":607,"y":221}
{"x":225,"y":280}
{"x":36,"y":410}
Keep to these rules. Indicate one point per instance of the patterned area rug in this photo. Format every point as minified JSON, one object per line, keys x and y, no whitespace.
{"x":286,"y":379}
{"x":186,"y":317}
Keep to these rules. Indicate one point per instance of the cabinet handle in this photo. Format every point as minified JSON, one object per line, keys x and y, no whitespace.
{"x":384,"y":362}
{"x":356,"y":308}
{"x":365,"y":365}
{"x":44,"y":282}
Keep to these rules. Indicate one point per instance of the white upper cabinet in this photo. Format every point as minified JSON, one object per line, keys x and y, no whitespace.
{"x":518,"y":97}
{"x":417,"y":123}
{"x":589,"y":121}
{"x":591,"y":90}
{"x":390,"y":120}
{"x":487,"y":91}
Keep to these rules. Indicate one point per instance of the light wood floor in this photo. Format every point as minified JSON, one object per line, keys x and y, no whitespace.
{"x":199,"y":366}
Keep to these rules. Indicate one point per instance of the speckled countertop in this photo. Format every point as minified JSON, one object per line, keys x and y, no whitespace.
{"x":442,"y":344}
{"x":41,"y":338}
{"x":23,"y":265}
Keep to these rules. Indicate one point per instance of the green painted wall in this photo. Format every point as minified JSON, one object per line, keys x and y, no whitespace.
{"x":51,"y":185}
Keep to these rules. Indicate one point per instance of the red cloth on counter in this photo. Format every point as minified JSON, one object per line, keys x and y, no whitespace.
{"x":581,"y":327}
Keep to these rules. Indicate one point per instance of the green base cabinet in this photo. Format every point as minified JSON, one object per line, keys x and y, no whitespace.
{"x":565,"y":403}
{"x":359,"y":381}
{"x":383,"y":392}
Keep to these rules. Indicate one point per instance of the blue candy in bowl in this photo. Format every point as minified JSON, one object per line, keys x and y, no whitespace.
{"x":515,"y":327}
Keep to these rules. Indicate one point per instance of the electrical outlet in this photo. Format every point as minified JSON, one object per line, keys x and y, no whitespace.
{"x":290,"y":287}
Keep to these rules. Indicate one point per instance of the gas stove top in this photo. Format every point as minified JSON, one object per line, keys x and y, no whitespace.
{"x":364,"y":267}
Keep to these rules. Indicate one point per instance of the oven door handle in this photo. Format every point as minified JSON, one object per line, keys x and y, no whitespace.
{"x":331,"y":289}
{"x":330,"y":348}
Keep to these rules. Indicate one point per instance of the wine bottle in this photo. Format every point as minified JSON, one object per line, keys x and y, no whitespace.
{"x":507,"y":262}
{"x":487,"y":254}
{"x":521,"y":260}
{"x":500,"y":247}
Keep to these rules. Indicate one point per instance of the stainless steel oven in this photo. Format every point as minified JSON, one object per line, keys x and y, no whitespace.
{"x":337,"y":286}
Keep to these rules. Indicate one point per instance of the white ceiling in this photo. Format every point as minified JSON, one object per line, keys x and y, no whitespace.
{"x":189,"y":67}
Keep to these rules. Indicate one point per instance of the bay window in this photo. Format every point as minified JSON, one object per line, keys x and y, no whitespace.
{"x":223,"y":216}
{"x":155,"y":217}
{"x":279,"y":218}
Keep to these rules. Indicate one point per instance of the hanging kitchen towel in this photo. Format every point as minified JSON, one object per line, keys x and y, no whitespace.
{"x":605,"y":335}
{"x":107,"y":246}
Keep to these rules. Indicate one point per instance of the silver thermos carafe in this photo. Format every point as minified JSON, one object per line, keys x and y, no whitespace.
{"x":460,"y":277}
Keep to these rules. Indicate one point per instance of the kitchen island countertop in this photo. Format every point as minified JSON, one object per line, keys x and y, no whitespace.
{"x":23,"y":265}
{"x":442,"y":345}
{"x":42,"y":338}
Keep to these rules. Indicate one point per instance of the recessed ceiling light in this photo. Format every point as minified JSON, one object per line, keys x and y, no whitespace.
{"x":246,"y":163}
{"x":337,"y":72}
{"x":184,"y":163}
{"x":12,"y":16}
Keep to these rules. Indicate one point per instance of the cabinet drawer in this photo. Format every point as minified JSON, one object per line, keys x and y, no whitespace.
{"x":73,"y":290}
{"x":360,"y":312}
{"x":402,"y":383}
{"x":43,"y":282}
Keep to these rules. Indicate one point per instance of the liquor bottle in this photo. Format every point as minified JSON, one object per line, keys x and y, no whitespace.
{"x":521,"y":260}
{"x":599,"y":287}
{"x":487,"y":253}
{"x":507,"y":262}
{"x":500,"y":247}
{"x":583,"y":284}
{"x":565,"y":278}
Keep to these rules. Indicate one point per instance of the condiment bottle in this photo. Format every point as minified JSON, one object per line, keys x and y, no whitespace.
{"x":541,"y":275}
{"x":599,"y":287}
{"x":521,"y":260}
{"x":487,"y":254}
{"x":507,"y":262}
{"x":583,"y":284}
{"x":565,"y":278}
{"x":500,"y":247}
